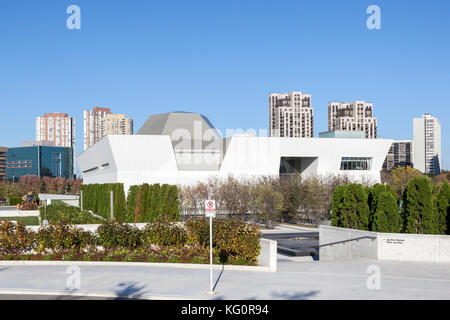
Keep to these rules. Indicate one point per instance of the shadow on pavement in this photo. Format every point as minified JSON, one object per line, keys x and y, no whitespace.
{"x":129,"y":291}
{"x":294,"y":296}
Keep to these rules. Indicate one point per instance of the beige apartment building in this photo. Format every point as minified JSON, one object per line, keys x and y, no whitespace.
{"x":352,"y":116}
{"x":100,"y":122}
{"x":55,"y":129}
{"x":291,"y":115}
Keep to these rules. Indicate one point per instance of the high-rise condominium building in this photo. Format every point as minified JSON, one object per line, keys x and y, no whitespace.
{"x":56,"y":129}
{"x":427,"y":144}
{"x":352,"y":116}
{"x":400,"y":155}
{"x":100,"y":122}
{"x":3,"y":152}
{"x":291,"y":115}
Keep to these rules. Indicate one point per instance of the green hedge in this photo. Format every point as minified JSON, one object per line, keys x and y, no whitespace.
{"x":15,"y":201}
{"x":424,"y":208}
{"x":97,"y":198}
{"x":147,"y":203}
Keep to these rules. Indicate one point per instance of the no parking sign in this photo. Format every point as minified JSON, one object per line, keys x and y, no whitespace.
{"x":210,"y":208}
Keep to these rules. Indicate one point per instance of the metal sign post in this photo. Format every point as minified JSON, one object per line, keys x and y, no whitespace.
{"x":112,"y":205}
{"x":210,"y":211}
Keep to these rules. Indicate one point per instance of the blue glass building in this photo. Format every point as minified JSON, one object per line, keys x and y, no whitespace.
{"x":41,"y":161}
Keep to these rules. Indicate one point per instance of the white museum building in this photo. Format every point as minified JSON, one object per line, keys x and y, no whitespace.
{"x":184,"y":148}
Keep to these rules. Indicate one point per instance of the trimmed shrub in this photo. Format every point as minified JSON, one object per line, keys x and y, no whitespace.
{"x":443,"y":209}
{"x":147,"y":203}
{"x":15,"y":239}
{"x":418,"y":210}
{"x":354,"y":208}
{"x":198,"y":230}
{"x":387,"y":217}
{"x":374,"y":194}
{"x":60,"y":237}
{"x":113,"y":233}
{"x":131,"y":203}
{"x":166,"y":233}
{"x":337,"y":201}
{"x":232,"y":239}
{"x":97,"y":198}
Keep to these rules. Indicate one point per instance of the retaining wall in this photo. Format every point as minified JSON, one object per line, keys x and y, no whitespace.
{"x":346,"y":244}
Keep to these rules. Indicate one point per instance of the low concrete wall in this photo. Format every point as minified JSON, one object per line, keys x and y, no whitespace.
{"x":45,"y":196}
{"x":90,"y":227}
{"x":18,"y":213}
{"x":268,"y":255}
{"x":413,"y":247}
{"x":67,"y":199}
{"x":345,"y":244}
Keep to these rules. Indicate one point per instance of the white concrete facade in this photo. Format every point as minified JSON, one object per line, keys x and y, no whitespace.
{"x":138,"y":159}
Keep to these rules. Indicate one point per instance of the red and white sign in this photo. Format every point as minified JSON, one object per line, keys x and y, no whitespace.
{"x":210,"y":208}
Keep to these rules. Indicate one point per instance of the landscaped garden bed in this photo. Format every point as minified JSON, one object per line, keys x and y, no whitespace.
{"x":235,"y":242}
{"x":59,"y":212}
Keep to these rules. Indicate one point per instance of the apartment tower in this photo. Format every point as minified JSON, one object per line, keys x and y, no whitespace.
{"x":427,"y":144}
{"x":291,"y":115}
{"x":352,"y":116}
{"x":55,"y":129}
{"x":400,"y":155}
{"x":100,"y":122}
{"x":3,"y":152}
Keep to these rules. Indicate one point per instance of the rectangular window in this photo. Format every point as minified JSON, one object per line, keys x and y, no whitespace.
{"x":356,"y":163}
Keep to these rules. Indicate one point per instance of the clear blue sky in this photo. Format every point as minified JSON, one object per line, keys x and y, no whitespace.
{"x":222,"y":59}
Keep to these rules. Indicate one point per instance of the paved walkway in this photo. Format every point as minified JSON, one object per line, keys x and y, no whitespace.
{"x":298,"y":278}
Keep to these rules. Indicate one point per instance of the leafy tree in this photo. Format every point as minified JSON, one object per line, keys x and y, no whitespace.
{"x":400,"y":177}
{"x":267,"y":203}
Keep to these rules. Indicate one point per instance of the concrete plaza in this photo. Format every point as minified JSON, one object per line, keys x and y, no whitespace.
{"x":297,"y":278}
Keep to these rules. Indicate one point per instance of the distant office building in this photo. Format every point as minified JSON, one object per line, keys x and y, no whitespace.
{"x":427,"y":144}
{"x":41,"y":161}
{"x":291,"y":115}
{"x":342,"y":134}
{"x":37,"y":143}
{"x":352,"y":116}
{"x":58,"y":129}
{"x":400,"y":155}
{"x":100,"y":122}
{"x":3,"y":151}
